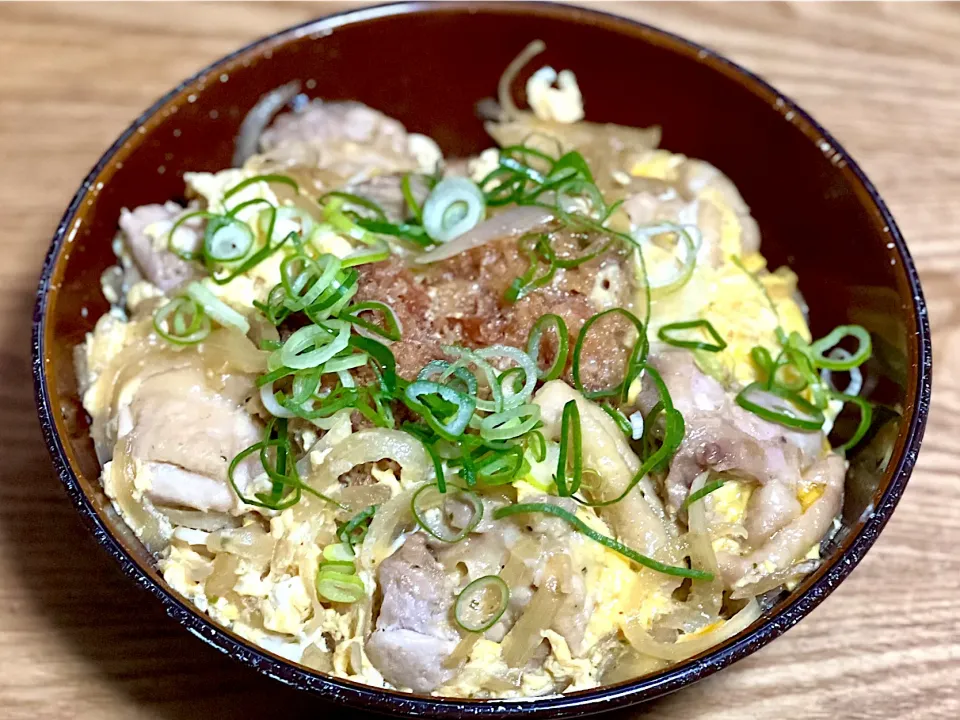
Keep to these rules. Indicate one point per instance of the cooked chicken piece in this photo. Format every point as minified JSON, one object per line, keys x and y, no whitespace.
{"x":348,"y":138}
{"x":722,"y":436}
{"x":184,"y":437}
{"x":792,"y":542}
{"x":146,"y":235}
{"x":414,"y":634}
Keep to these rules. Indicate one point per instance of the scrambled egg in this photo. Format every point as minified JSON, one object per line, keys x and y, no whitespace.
{"x":745,"y":304}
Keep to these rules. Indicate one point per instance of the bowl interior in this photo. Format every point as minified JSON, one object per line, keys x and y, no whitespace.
{"x":428,"y":67}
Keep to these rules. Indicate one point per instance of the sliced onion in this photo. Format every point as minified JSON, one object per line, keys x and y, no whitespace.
{"x":360,"y":497}
{"x":217,"y":309}
{"x":513,"y":69}
{"x":706,"y":596}
{"x":453,"y":207}
{"x":150,"y":526}
{"x":269,"y":400}
{"x":198,"y":520}
{"x":370,"y":446}
{"x":526,"y":634}
{"x":856,"y":377}
{"x":511,"y":223}
{"x":390,"y":520}
{"x":227,"y":349}
{"x":640,"y":639}
{"x":775,"y":580}
{"x":256,"y":121}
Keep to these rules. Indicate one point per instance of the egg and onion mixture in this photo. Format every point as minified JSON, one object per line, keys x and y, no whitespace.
{"x":414,"y":501}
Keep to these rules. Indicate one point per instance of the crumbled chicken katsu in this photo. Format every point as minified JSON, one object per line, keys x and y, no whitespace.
{"x":504,"y":426}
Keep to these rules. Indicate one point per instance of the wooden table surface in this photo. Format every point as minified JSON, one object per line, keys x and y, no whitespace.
{"x":79,"y":640}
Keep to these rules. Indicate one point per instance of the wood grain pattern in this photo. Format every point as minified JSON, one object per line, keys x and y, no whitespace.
{"x":78,"y":640}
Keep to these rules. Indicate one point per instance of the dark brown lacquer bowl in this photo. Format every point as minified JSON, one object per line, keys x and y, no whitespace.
{"x":428,"y":65}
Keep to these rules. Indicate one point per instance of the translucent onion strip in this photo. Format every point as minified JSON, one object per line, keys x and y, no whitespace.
{"x":641,"y":640}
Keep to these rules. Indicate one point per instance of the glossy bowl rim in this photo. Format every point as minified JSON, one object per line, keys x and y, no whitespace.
{"x":574,"y":704}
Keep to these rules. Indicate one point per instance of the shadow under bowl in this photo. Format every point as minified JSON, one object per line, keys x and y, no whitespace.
{"x":427,"y":65}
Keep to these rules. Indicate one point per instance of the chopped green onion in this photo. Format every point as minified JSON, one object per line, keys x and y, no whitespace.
{"x":339,"y":587}
{"x":866,"y":417}
{"x":269,"y":178}
{"x":216,"y":308}
{"x":571,"y":444}
{"x":780,"y":406}
{"x":537,"y":445}
{"x":306,"y":280}
{"x":383,"y":358}
{"x":820,"y":348}
{"x":313,"y":345}
{"x":513,"y":399}
{"x":182,"y":321}
{"x":510,"y":423}
{"x":667,"y":334}
{"x":455,"y":206}
{"x":410,"y":199}
{"x":702,"y":492}
{"x":535,"y":247}
{"x":563,"y":345}
{"x":414,"y":233}
{"x":481,"y":603}
{"x":427,"y":504}
{"x":855,"y":384}
{"x":357,"y":201}
{"x":354,"y":531}
{"x":453,"y":427}
{"x":227,"y":239}
{"x":634,"y":361}
{"x":645,"y":235}
{"x":499,"y":467}
{"x":622,"y":421}
{"x":609,"y":542}
{"x":437,"y":466}
{"x":391,"y":328}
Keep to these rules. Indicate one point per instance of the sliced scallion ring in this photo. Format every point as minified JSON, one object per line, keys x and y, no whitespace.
{"x":563,"y":345}
{"x":465,"y":405}
{"x":481,"y":603}
{"x":227,"y":239}
{"x":685,"y":266}
{"x":313,"y":345}
{"x":428,"y":511}
{"x":339,"y":587}
{"x":510,"y":398}
{"x":571,"y":446}
{"x":669,"y":335}
{"x":390,"y":330}
{"x":216,"y":308}
{"x":510,"y":423}
{"x":454,"y":206}
{"x":819,"y":350}
{"x":781,"y":406}
{"x":182,"y":321}
{"x":866,"y":417}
